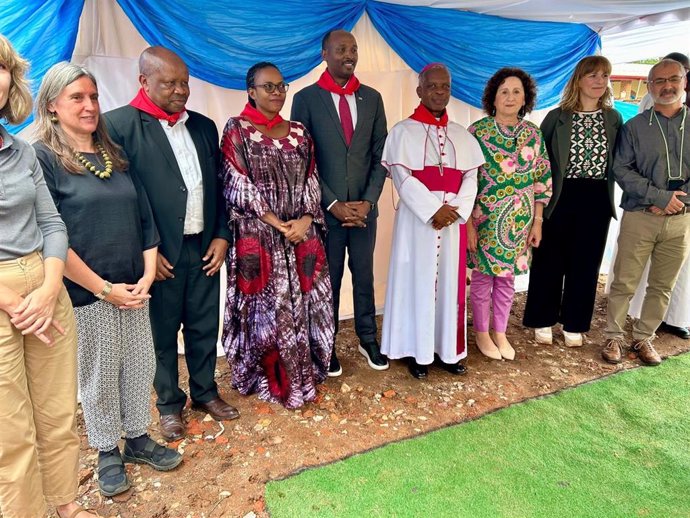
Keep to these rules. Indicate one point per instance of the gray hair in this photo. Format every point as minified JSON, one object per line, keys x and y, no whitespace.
{"x":432,"y":66}
{"x":49,"y":131}
{"x":664,"y":63}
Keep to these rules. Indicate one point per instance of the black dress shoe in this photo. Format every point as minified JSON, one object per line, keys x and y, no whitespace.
{"x":418,"y":371}
{"x":334,"y":368}
{"x":457,"y":369}
{"x":680,"y":332}
{"x":372,"y":353}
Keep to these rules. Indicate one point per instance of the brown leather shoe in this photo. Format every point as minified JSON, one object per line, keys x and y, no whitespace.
{"x":172,"y":427}
{"x":218,"y":409}
{"x":646,"y":352}
{"x":613,"y":350}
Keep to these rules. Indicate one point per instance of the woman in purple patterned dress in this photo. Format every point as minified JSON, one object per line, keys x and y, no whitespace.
{"x":278,"y":326}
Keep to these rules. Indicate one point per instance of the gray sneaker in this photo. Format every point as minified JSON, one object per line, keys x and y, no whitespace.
{"x":157,"y":456}
{"x":112,"y":477}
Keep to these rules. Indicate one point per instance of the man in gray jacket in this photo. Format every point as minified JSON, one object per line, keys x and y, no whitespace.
{"x":652,"y":166}
{"x":348,"y":124}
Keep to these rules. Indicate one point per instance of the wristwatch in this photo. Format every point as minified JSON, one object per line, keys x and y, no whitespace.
{"x":107,"y":288}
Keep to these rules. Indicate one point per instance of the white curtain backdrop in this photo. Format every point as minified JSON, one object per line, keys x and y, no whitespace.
{"x":109,"y":46}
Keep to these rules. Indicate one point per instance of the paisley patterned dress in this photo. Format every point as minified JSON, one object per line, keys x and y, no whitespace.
{"x":278,"y":327}
{"x":515,"y":176}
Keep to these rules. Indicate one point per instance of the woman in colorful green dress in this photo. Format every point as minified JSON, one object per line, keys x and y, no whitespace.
{"x":514,"y":186}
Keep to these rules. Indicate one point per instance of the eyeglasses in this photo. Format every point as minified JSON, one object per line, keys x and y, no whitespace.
{"x":660,"y":81}
{"x":282,"y":87}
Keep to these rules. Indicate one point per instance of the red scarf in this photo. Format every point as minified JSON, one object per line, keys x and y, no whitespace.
{"x":422,"y":114}
{"x":256,"y":117}
{"x":327,"y":82}
{"x":144,"y":103}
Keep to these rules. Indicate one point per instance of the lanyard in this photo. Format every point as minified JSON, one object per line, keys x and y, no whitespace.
{"x":682,"y":141}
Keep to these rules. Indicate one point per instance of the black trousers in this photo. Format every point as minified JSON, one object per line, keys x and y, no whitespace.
{"x":565,"y":268}
{"x":193,"y":300}
{"x":359,"y":243}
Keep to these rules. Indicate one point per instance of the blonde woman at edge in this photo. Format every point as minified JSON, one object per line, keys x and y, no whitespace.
{"x":39,"y":457}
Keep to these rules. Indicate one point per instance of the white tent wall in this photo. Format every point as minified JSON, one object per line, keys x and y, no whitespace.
{"x":109,"y":45}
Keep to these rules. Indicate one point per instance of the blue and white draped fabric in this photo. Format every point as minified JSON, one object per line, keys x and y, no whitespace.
{"x":219,"y":41}
{"x":474,"y":46}
{"x":42,"y":31}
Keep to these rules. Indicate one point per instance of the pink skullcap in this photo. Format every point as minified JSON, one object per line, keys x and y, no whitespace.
{"x":433,"y":65}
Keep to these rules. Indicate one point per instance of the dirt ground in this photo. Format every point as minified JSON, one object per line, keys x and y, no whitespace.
{"x":226,"y":467}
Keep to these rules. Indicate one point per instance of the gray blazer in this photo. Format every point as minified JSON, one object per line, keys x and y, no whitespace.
{"x":346,"y":174}
{"x":557,"y":127}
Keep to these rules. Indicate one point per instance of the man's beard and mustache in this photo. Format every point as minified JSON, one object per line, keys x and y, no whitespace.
{"x":675,"y":95}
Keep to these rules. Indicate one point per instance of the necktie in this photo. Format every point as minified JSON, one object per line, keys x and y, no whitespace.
{"x":346,"y":119}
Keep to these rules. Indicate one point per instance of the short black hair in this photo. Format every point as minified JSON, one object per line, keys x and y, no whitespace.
{"x":327,"y":36}
{"x":497,"y":79}
{"x":679,"y":57}
{"x":251,"y":74}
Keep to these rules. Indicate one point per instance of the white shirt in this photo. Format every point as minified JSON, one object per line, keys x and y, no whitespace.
{"x":188,"y":161}
{"x":646,"y":103}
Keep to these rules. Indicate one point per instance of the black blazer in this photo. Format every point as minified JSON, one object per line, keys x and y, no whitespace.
{"x":557,"y":127}
{"x":346,"y":174}
{"x":152,"y":160}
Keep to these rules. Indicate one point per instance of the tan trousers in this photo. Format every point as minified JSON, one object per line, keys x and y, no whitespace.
{"x":39,"y":445}
{"x":665,"y":241}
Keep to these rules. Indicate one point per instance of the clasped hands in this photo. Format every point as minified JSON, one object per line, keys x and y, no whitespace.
{"x":130,"y":296}
{"x":351,"y":213}
{"x":295,"y":230}
{"x":33,"y":314}
{"x":444,"y":217}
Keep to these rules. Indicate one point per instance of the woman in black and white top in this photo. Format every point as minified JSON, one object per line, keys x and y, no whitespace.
{"x":580,"y":137}
{"x":111,"y":264}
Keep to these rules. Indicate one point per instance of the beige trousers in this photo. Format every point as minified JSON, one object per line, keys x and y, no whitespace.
{"x":39,"y":445}
{"x":665,"y":242}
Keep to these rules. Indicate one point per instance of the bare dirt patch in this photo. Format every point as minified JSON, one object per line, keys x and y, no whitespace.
{"x":226,"y":466}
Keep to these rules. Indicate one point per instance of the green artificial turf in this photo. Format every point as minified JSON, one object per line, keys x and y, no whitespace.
{"x":617,"y":447}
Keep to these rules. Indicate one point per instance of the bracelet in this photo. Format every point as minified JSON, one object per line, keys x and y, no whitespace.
{"x":107,"y":288}
{"x":538,"y":218}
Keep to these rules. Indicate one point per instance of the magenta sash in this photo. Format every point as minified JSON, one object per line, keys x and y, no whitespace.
{"x":431,"y":177}
{"x":450,"y":182}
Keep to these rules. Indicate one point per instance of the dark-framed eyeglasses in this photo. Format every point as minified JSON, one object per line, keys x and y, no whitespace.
{"x":282,"y":87}
{"x":660,"y":81}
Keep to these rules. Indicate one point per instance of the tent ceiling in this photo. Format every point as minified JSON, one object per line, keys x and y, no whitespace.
{"x":603,"y":16}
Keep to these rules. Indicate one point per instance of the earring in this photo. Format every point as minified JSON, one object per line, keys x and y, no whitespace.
{"x":53,"y":118}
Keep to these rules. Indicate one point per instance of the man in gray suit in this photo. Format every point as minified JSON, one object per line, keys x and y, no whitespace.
{"x":348,"y":124}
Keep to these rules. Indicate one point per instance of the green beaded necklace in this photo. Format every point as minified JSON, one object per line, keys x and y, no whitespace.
{"x":102,"y":174}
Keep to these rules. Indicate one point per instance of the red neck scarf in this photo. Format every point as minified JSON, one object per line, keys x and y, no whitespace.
{"x":256,"y":117}
{"x":144,"y":103}
{"x":422,"y":114}
{"x":327,"y":82}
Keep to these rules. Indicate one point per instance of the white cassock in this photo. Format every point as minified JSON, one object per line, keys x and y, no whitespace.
{"x":424,"y":311}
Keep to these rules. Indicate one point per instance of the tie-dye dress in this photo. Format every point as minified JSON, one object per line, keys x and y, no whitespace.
{"x":278,"y":327}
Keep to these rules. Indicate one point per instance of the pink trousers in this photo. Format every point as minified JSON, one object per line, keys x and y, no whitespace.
{"x":486,"y":290}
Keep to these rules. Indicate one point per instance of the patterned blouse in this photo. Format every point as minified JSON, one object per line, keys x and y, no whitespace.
{"x":588,"y":146}
{"x":516,"y":175}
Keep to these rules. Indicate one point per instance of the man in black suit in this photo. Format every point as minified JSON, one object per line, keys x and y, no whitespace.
{"x":348,"y":124}
{"x":175,"y":153}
